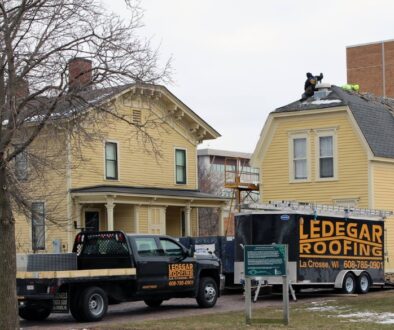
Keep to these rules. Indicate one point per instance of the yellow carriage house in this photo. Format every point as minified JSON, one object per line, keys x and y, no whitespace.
{"x":336,"y":147}
{"x":119,"y":180}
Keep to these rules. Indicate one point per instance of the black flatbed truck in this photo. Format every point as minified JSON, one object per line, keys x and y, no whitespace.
{"x":114,"y":267}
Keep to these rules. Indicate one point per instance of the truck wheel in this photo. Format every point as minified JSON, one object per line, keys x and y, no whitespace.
{"x":154,"y":303}
{"x":349,"y":283}
{"x":363,"y":283}
{"x":207,"y":292}
{"x":35,"y":311}
{"x":74,"y":307}
{"x":93,"y":303}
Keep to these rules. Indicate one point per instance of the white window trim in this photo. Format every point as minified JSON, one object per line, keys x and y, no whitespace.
{"x":292,"y":137}
{"x":187,"y":167}
{"x":321,"y":133}
{"x":118,"y":160}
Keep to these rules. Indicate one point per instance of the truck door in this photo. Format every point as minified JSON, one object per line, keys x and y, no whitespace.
{"x":151,"y":265}
{"x":181,"y":269}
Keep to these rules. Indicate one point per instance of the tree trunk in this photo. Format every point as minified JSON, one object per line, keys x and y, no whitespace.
{"x":8,"y":302}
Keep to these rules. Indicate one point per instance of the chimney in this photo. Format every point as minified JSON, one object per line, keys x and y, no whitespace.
{"x":79,"y":73}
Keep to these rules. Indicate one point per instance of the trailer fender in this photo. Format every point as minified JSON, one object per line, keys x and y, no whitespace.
{"x":341,"y":275}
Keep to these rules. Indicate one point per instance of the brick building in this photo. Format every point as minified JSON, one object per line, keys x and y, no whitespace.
{"x":372,"y":67}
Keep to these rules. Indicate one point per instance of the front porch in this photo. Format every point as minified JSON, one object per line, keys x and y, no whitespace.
{"x":143,"y":210}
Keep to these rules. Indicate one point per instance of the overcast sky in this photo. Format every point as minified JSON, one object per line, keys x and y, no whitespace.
{"x":236,"y":61}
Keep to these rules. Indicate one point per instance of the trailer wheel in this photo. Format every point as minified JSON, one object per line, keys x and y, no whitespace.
{"x":154,"y":303}
{"x":93,"y":303}
{"x":207,"y":292}
{"x":349,"y":283}
{"x":363,"y":283}
{"x":35,"y":311}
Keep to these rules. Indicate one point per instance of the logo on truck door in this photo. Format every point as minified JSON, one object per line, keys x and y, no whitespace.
{"x":181,"y":274}
{"x":358,"y":243}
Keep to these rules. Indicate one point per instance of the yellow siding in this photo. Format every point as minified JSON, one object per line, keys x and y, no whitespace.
{"x":137,"y":165}
{"x":124,"y":218}
{"x":46,"y":185}
{"x":194,"y":222}
{"x":383,"y":192}
{"x":352,"y":179}
{"x":173,"y":221}
{"x":143,"y":219}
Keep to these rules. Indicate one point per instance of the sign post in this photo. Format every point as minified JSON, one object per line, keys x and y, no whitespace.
{"x":265,"y":261}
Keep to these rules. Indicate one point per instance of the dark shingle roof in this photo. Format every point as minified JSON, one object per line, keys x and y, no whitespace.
{"x":374,"y":115}
{"x":130,"y":190}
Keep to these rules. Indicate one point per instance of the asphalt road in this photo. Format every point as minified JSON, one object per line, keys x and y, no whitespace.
{"x":138,"y":311}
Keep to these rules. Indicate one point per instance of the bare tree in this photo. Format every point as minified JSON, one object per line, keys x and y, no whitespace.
{"x":37,"y":40}
{"x":210,"y":182}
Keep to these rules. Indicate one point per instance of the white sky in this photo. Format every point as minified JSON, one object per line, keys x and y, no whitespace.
{"x":236,"y":61}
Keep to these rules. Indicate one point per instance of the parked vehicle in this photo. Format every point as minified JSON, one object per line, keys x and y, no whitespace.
{"x":112,"y":267}
{"x":338,"y":248}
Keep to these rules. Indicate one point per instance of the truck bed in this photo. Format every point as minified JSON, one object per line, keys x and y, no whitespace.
{"x":76,"y":273}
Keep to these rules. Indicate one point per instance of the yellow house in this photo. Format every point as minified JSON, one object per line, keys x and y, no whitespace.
{"x":334,"y":148}
{"x":118,"y":178}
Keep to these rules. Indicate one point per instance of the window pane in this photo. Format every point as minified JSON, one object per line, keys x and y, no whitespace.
{"x":111,"y":169}
{"x":110,"y":151}
{"x":299,"y":148}
{"x":326,"y":167}
{"x":170,"y":248}
{"x":180,"y":175}
{"x":147,"y":247}
{"x":300,"y":171}
{"x":180,"y":158}
{"x":326,"y":149}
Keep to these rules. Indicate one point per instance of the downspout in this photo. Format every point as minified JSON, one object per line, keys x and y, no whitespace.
{"x":70,"y":227}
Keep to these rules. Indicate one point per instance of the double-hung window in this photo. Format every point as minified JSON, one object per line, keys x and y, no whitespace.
{"x":180,"y":166}
{"x":111,"y":160}
{"x":38,"y":225}
{"x":300,"y":158}
{"x":326,"y":157}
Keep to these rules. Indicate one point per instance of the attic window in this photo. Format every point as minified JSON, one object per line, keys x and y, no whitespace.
{"x":137,"y":116}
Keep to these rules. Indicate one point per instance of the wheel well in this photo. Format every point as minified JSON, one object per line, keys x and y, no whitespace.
{"x":211,"y":273}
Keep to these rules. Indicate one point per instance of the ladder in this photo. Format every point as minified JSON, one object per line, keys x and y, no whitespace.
{"x":318,"y":209}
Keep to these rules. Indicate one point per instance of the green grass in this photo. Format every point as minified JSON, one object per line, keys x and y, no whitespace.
{"x":322,"y":314}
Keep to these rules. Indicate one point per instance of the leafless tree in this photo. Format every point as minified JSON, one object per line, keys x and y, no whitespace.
{"x":37,"y":40}
{"x":211,"y":182}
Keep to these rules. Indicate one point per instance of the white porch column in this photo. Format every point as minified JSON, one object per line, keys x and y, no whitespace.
{"x":78,"y":209}
{"x":221,"y":221}
{"x":110,"y":205}
{"x":136,"y":219}
{"x":187,"y":220}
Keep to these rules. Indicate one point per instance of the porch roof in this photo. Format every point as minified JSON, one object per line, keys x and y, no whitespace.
{"x":131,"y":191}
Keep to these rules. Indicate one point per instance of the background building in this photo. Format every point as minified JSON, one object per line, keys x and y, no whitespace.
{"x":227,"y":174}
{"x":372,"y":67}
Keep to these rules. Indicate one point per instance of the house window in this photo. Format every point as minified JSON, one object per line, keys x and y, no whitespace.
{"x":300,"y":161}
{"x":180,"y":166}
{"x":38,"y":226}
{"x":326,"y":157}
{"x":111,"y":160}
{"x":21,"y":166}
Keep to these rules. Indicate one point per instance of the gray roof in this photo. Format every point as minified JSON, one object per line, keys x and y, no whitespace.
{"x":374,"y":115}
{"x":130,"y":190}
{"x":223,"y":153}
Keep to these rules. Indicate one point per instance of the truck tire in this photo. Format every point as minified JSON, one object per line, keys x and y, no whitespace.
{"x":154,"y":303}
{"x":207,"y":292}
{"x":93,"y":304}
{"x":363,"y":283}
{"x":74,"y":307}
{"x":349,"y":283}
{"x":37,"y":311}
